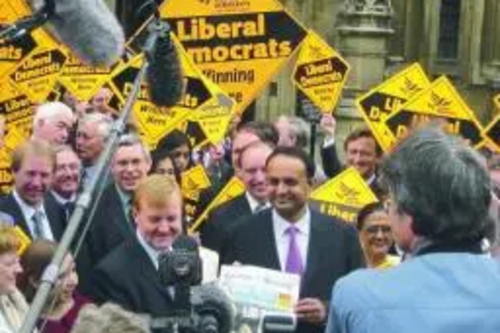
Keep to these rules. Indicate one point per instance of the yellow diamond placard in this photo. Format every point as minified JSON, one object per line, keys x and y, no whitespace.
{"x":320,"y":72}
{"x":83,"y":81}
{"x":492,"y":133}
{"x":496,"y":101}
{"x":18,"y":111}
{"x":37,"y":73}
{"x":382,"y":101}
{"x":232,"y":189}
{"x":239,"y":45}
{"x":193,"y":181}
{"x":13,"y":52}
{"x":343,"y":196}
{"x":441,"y":102}
{"x":6,"y":177}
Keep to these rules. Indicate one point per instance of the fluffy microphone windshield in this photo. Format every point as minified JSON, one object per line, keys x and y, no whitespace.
{"x":88,"y":28}
{"x":164,"y":73}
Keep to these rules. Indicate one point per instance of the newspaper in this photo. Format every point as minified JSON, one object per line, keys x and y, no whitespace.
{"x":257,"y":291}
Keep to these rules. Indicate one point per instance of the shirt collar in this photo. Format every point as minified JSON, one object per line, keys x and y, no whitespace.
{"x":372,"y":178}
{"x":303,"y":224}
{"x":253,"y":202}
{"x":62,"y":200}
{"x":124,"y":196}
{"x":152,"y":253}
{"x":27,"y":209}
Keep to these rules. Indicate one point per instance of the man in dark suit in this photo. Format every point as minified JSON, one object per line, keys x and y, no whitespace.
{"x":293,"y":238}
{"x":33,"y":168}
{"x":65,"y":184}
{"x":112,"y":222}
{"x":129,"y":275}
{"x":361,"y":151}
{"x":252,"y":172}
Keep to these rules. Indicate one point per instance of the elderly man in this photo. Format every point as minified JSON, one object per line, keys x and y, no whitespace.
{"x":91,"y":135}
{"x":53,"y":122}
{"x":66,"y":182}
{"x":440,"y":193}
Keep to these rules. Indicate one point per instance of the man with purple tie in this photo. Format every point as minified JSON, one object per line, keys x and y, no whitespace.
{"x":293,"y":238}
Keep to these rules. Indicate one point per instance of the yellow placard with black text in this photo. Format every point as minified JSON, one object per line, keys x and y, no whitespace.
{"x":440,"y":102}
{"x":81,"y":80}
{"x":37,"y":73}
{"x":239,"y":45}
{"x":343,"y":196}
{"x":193,"y":182}
{"x":377,"y":105}
{"x":320,"y":72}
{"x":11,"y":53}
{"x":232,"y":189}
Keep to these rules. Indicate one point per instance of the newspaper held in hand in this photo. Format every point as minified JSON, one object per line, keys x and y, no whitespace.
{"x":258,"y":291}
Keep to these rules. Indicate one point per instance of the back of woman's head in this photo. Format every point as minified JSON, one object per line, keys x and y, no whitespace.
{"x":34,"y":261}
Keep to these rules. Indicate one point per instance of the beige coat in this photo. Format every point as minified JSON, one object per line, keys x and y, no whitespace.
{"x":13,"y":308}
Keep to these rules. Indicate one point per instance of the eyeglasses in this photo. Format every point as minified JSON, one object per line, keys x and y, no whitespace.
{"x":375,"y":229}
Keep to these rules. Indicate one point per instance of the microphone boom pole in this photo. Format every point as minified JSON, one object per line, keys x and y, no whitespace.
{"x":84,"y":202}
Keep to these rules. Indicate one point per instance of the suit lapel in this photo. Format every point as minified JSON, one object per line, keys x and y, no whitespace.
{"x":314,"y":250}
{"x":122,"y":220}
{"x":146,"y":267}
{"x":13,"y":209}
{"x":242,"y":205}
{"x":267,"y":242}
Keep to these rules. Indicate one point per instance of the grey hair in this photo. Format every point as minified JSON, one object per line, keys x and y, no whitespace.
{"x":102,"y":121}
{"x":109,"y":318}
{"x":442,"y":183}
{"x":300,"y":129}
{"x":48,"y":111}
{"x":128,"y":140}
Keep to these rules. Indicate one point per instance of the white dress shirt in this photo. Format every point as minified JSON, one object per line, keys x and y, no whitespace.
{"x":28,"y":212}
{"x":280,"y":226}
{"x":254,"y":204}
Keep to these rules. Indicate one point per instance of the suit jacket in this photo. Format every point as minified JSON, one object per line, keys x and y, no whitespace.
{"x":9,"y":206}
{"x":53,"y":205}
{"x":220,"y":221}
{"x":127,"y":277}
{"x":333,"y":251}
{"x":108,"y":228}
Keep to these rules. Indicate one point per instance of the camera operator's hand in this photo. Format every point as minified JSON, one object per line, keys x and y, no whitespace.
{"x":311,"y":310}
{"x":328,"y":125}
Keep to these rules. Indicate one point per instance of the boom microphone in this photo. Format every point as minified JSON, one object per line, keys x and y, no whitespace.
{"x":164,"y":73}
{"x":88,"y":28}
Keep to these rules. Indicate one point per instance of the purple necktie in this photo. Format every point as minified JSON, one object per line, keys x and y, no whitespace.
{"x":293,"y":259}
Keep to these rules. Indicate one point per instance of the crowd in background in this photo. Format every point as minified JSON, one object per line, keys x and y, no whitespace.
{"x":139,"y":214}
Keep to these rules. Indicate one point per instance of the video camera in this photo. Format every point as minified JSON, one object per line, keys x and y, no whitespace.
{"x":196,"y":308}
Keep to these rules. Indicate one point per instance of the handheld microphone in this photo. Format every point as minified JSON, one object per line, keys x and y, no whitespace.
{"x":87,"y":27}
{"x":164,"y":75}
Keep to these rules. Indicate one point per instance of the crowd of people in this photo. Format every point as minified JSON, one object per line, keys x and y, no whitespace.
{"x":428,"y":243}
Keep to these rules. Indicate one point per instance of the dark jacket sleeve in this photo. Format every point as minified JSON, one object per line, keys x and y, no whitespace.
{"x":331,"y":162}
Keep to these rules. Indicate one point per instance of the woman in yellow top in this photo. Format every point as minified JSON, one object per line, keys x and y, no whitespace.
{"x":375,"y":235}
